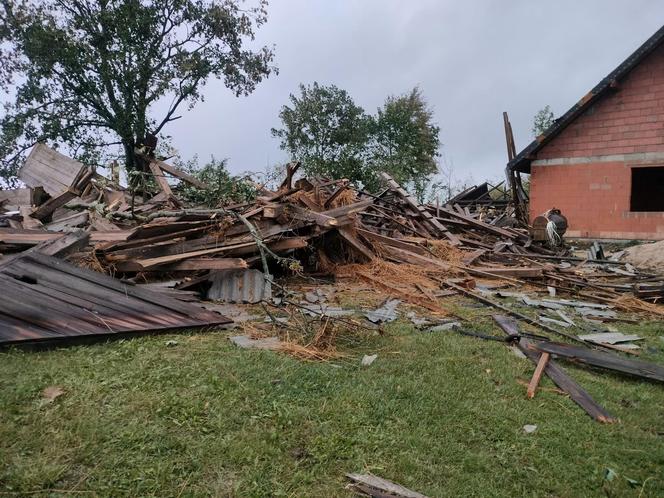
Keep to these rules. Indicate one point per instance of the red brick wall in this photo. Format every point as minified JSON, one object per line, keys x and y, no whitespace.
{"x":595,"y":197}
{"x":629,"y":119}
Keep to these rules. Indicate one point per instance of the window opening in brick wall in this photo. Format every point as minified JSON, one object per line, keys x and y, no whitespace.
{"x":647,"y":189}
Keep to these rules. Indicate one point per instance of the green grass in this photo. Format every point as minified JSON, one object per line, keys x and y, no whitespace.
{"x":439,"y":413}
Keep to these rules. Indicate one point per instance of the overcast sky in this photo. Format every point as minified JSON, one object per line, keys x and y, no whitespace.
{"x":472,"y":60}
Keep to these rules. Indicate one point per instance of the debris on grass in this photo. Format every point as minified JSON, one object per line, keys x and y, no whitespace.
{"x":50,"y":394}
{"x":386,"y":313}
{"x":374,"y":486}
{"x":368,"y":359}
{"x":245,"y":342}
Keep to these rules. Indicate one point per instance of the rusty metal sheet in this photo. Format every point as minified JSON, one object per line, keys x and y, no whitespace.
{"x":46,"y":299}
{"x":239,"y":286}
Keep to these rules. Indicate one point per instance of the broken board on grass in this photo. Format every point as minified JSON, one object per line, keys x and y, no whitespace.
{"x":556,"y":373}
{"x":47,"y":300}
{"x":371,"y":485}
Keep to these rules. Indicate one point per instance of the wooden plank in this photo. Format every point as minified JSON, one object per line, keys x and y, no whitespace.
{"x":63,"y":245}
{"x":178,"y":173}
{"x":111,"y":283}
{"x":390,"y":241}
{"x":558,"y":375}
{"x":609,"y":361}
{"x":11,"y":329}
{"x":16,"y":197}
{"x":154,"y":229}
{"x":334,"y":195}
{"x":154,"y":250}
{"x":160,"y":179}
{"x":480,"y":224}
{"x":429,"y":219}
{"x":273,"y":210}
{"x":349,"y":237}
{"x":188,"y":265}
{"x":47,"y":298}
{"x":320,"y":219}
{"x":406,"y":256}
{"x":72,"y":221}
{"x":45,"y":167}
{"x":172,"y":258}
{"x":47,"y":313}
{"x":54,"y":203}
{"x":114,"y":236}
{"x":292,"y":243}
{"x":25,"y":237}
{"x":348,"y":209}
{"x":95,"y":298}
{"x":120,"y":291}
{"x":537,"y":375}
{"x":473,"y":256}
{"x":100,"y":223}
{"x":131,"y":241}
{"x":531,"y":272}
{"x":29,"y":222}
{"x":278,"y":245}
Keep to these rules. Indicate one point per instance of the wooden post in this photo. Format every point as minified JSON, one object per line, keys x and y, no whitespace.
{"x":539,"y":370}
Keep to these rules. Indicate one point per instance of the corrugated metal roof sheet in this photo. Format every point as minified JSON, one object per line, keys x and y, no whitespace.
{"x":239,"y":286}
{"x":47,"y":299}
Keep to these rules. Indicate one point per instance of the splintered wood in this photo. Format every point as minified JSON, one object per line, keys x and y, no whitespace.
{"x":312,"y":226}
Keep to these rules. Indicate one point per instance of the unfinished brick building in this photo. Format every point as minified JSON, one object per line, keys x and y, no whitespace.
{"x":602,"y":162}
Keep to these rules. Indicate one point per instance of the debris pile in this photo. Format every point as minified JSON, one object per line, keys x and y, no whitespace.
{"x":314,"y":226}
{"x":86,"y":257}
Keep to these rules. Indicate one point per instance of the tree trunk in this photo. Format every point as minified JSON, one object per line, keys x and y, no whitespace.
{"x":129,"y":145}
{"x":131,"y":164}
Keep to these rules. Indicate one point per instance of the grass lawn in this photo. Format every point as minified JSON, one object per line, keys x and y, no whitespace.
{"x":439,"y":413}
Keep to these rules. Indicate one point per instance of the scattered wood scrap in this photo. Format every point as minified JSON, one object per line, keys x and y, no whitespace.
{"x":555,"y":372}
{"x":371,"y":485}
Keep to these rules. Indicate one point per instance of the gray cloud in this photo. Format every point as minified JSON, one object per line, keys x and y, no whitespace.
{"x":472,"y":59}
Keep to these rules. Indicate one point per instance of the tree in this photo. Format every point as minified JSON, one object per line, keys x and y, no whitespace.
{"x":405,"y":140}
{"x":542,"y":120}
{"x":327,"y":131}
{"x":87,"y":73}
{"x":223,"y":188}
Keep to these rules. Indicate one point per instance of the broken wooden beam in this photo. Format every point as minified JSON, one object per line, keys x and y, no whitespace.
{"x":429,"y":219}
{"x":557,"y":374}
{"x":537,"y":375}
{"x":511,"y":312}
{"x":320,"y":219}
{"x":64,"y":244}
{"x":178,"y":173}
{"x":352,"y":239}
{"x":609,"y":361}
{"x":45,"y":210}
{"x":192,"y":264}
{"x":377,"y":487}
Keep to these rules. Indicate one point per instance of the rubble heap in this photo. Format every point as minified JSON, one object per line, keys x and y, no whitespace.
{"x":85,"y":257}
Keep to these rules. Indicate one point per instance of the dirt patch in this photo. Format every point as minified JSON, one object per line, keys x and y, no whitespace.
{"x":649,"y":255}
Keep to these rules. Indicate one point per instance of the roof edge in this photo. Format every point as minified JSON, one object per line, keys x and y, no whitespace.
{"x":522,"y":160}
